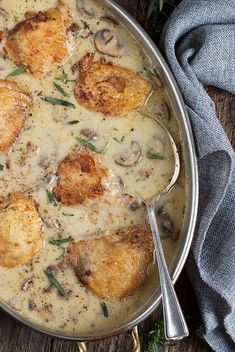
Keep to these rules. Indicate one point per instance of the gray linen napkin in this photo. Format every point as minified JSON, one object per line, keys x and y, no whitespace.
{"x":198,"y":42}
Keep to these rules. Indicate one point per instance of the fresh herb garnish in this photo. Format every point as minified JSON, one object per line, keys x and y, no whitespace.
{"x":148,"y":72}
{"x":117,"y":140}
{"x":104,"y":308}
{"x":67,"y":214}
{"x":153,"y":155}
{"x":91,"y":146}
{"x":55,"y":101}
{"x":61,"y":90}
{"x":52,"y":198}
{"x":18,"y":71}
{"x":64,"y":78}
{"x":1,"y":167}
{"x":61,"y":241}
{"x":73,"y":122}
{"x":54,"y":281}
{"x":156,"y":338}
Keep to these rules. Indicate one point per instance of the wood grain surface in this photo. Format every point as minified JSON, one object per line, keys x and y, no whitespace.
{"x":15,"y":337}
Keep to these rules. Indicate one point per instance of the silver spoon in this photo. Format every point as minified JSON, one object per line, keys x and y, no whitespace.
{"x":175,"y":326}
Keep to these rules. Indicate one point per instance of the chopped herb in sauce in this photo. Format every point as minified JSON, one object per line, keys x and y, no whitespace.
{"x":55,"y":101}
{"x":64,"y":78}
{"x":104,"y":308}
{"x":148,"y":72}
{"x":153,"y":155}
{"x":91,"y":146}
{"x":67,"y":214}
{"x":61,"y":241}
{"x":1,"y":167}
{"x":119,"y":141}
{"x":18,"y":71}
{"x":60,"y":89}
{"x":156,"y":338}
{"x":73,"y":122}
{"x":54,"y":281}
{"x":52,"y":199}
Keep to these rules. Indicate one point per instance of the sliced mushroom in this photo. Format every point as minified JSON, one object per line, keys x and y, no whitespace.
{"x":89,"y":133}
{"x":165,"y":223}
{"x":3,"y":12}
{"x":132,"y":203}
{"x":85,"y":32}
{"x":83,"y":11}
{"x":109,"y":20}
{"x":106,"y":42}
{"x":51,"y":222}
{"x":26,"y":284}
{"x":129,"y":157}
{"x":113,"y":184}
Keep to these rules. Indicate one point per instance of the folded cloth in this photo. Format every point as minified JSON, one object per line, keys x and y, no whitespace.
{"x":198,"y":42}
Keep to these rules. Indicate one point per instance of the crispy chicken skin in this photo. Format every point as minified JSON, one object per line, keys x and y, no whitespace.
{"x":109,"y":89}
{"x":40,"y":41}
{"x":13,"y":112}
{"x":79,"y":178}
{"x":21,"y":234}
{"x":113,"y":266}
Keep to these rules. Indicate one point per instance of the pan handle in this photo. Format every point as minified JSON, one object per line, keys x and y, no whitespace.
{"x":136,"y":342}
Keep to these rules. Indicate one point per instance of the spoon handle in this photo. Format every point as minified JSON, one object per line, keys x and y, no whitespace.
{"x":175,"y":326}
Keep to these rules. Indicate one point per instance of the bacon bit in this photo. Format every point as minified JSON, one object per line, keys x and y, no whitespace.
{"x":87,"y":132}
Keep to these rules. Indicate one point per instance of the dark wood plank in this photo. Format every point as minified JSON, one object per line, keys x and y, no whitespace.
{"x":15,"y":337}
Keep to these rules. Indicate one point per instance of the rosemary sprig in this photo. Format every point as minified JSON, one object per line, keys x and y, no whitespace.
{"x":55,"y":101}
{"x":157,"y":338}
{"x":64,"y":78}
{"x":91,"y":146}
{"x":61,"y":241}
{"x":55,"y":282}
{"x":18,"y":71}
{"x":52,"y":199}
{"x":61,"y":90}
{"x":153,"y":155}
{"x":105,"y":310}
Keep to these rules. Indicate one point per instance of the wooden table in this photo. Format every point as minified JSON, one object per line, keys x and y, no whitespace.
{"x":14,"y":337}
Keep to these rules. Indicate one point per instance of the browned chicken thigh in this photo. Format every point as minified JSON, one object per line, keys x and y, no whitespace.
{"x":79,"y":178}
{"x":109,"y":89}
{"x":41,"y":41}
{"x":13,"y":112}
{"x":21,"y":235}
{"x":113,"y":265}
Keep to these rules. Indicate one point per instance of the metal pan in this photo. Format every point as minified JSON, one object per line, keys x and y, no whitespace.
{"x":192,"y":186}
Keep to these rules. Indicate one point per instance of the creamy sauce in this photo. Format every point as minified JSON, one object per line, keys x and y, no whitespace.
{"x":52,"y":137}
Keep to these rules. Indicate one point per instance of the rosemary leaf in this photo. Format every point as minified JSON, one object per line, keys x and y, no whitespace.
{"x":18,"y":71}
{"x":54,"y":281}
{"x":152,"y":155}
{"x":60,"y":89}
{"x":1,"y":167}
{"x":116,"y":140}
{"x":73,"y":122}
{"x":64,"y":78}
{"x":61,"y":241}
{"x":104,"y":308}
{"x":67,"y":214}
{"x":55,"y":101}
{"x":52,"y":199}
{"x":91,"y":146}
